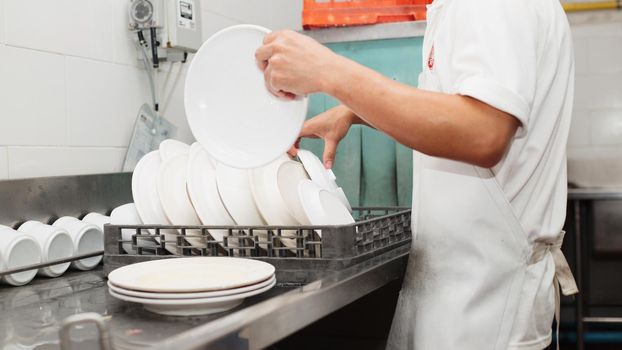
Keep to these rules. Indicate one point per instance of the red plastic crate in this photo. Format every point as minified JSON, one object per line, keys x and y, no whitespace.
{"x":335,"y":13}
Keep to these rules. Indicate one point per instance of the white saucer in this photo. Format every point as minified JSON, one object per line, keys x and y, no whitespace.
{"x":146,"y":198}
{"x":235,"y":191}
{"x":322,"y":176}
{"x":171,"y":148}
{"x":192,"y":307}
{"x":186,"y":275}
{"x":322,"y":207}
{"x":174,"y":197}
{"x":229,"y":109}
{"x":198,"y":295}
{"x":203,"y":192}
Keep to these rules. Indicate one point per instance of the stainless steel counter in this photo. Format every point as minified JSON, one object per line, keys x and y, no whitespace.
{"x":31,"y":315}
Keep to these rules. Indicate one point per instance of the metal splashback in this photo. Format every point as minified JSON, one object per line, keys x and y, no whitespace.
{"x":45,"y":199}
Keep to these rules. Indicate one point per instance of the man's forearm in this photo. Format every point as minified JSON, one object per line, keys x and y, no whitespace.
{"x":449,"y":126}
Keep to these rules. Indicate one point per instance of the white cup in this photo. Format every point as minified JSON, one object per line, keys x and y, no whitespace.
{"x":97,"y":219}
{"x":18,"y":249}
{"x":87,"y":238}
{"x":55,"y":242}
{"x":128,"y":215}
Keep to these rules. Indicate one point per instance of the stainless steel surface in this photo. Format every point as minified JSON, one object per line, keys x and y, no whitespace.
{"x":594,"y":193}
{"x":602,"y":320}
{"x":369,"y":32}
{"x":50,"y":263}
{"x":261,"y":325}
{"x":32,"y":315}
{"x":579,"y":302}
{"x":45,"y":199}
{"x":81,"y":320}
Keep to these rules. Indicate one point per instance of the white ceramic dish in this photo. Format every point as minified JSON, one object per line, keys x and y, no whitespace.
{"x":235,"y":191}
{"x":174,"y":198}
{"x":192,"y":307}
{"x":198,"y":295}
{"x":322,"y":176}
{"x":55,"y":242}
{"x":229,"y":109}
{"x":128,"y":215}
{"x":269,"y":200}
{"x":97,"y":219}
{"x":203,"y":192}
{"x":18,"y":249}
{"x":171,"y":148}
{"x":146,"y":198}
{"x":289,"y":176}
{"x":87,"y":238}
{"x":187,"y":275}
{"x":323,"y":207}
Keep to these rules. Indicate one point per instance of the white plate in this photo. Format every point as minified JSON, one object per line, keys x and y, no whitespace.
{"x":322,"y":176}
{"x":171,"y":148}
{"x":289,"y":176}
{"x":146,"y":198}
{"x":191,"y":307}
{"x":235,"y":191}
{"x":203,"y":192}
{"x":128,"y":215}
{"x":187,"y":275}
{"x":200,"y":295}
{"x":229,"y":109}
{"x":174,"y":197}
{"x":323,"y":207}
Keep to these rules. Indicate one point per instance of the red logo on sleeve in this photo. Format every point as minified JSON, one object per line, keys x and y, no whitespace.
{"x":431,"y":58}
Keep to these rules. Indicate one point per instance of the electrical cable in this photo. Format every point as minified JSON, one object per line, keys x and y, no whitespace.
{"x":142,"y":43}
{"x":154,"y":48}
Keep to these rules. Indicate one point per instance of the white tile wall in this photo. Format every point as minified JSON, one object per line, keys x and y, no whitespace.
{"x":2,"y":38}
{"x":71,"y":27}
{"x":595,"y":142}
{"x":103,"y":100}
{"x":27,"y":162}
{"x":32,"y":97}
{"x":71,"y":84}
{"x":4,"y":164}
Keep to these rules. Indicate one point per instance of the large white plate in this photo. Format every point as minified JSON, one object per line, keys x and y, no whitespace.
{"x":235,"y":191}
{"x":171,"y":148}
{"x":322,"y":176}
{"x":199,"y":295}
{"x":174,"y":196}
{"x":323,"y":207}
{"x":188,"y":275}
{"x":203,"y":192}
{"x":145,"y":193}
{"x":229,"y":109}
{"x":289,"y":176}
{"x":192,"y":307}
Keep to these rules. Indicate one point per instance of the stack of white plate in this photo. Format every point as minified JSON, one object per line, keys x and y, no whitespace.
{"x":191,"y":286}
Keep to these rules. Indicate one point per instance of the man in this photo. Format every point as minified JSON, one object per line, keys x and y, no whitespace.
{"x":488,"y":126}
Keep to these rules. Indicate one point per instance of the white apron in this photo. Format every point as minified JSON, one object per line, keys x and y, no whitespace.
{"x":473,"y":279}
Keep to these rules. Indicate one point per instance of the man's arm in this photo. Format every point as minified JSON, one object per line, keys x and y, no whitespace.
{"x":442,"y":125}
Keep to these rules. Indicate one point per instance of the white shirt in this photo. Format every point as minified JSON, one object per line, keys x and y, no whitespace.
{"x":517,"y":56}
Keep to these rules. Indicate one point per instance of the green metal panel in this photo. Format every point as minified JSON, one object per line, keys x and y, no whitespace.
{"x":373,"y":169}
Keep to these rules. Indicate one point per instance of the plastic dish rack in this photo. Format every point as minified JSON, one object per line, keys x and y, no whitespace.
{"x":316,"y":248}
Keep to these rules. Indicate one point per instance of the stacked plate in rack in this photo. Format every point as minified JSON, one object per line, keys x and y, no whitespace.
{"x":191,"y":286}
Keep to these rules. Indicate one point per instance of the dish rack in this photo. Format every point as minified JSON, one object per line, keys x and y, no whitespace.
{"x":300,"y":254}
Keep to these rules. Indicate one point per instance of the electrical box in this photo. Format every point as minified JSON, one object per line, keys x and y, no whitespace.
{"x":183,"y":27}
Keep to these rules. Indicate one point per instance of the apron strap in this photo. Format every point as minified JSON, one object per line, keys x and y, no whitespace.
{"x":563,"y":281}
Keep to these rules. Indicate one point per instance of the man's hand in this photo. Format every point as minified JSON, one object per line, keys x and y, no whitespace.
{"x":294,"y":64}
{"x":331,"y":126}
